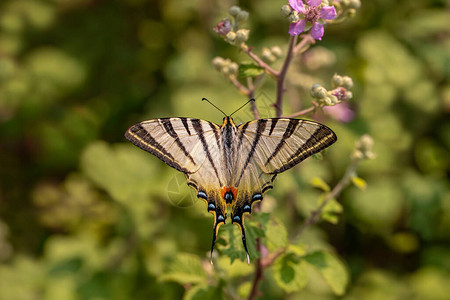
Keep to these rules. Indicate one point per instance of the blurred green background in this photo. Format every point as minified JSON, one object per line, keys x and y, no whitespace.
{"x":86,"y":215}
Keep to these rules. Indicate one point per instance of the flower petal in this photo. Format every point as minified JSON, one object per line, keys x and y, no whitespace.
{"x":314,"y":3}
{"x":297,"y":28}
{"x":297,"y":5}
{"x":317,"y":31}
{"x":328,"y":12}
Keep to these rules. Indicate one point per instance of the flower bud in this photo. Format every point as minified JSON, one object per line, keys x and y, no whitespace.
{"x":336,"y":81}
{"x":233,"y":68}
{"x":293,"y":17}
{"x":286,"y":10}
{"x":354,"y":4}
{"x":242,"y":16}
{"x":267,"y":56}
{"x":234,"y":10}
{"x":364,"y":145}
{"x":218,"y":63}
{"x":276,"y":51}
{"x":242,"y":35}
{"x":230,"y":37}
{"x":319,"y":92}
{"x":223,"y":27}
{"x":347,"y":82}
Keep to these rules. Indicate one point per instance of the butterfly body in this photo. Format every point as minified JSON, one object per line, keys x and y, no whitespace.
{"x":229,"y":165}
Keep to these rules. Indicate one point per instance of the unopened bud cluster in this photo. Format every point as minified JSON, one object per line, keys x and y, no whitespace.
{"x":347,"y":8}
{"x":339,"y":93}
{"x":363,"y":148}
{"x":225,"y":66}
{"x":270,"y":55}
{"x":231,"y":31}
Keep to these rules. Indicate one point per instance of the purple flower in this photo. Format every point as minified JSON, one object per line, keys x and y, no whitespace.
{"x":312,"y":14}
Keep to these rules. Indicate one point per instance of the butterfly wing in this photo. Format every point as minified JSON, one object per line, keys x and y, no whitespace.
{"x":269,"y":147}
{"x":191,"y":146}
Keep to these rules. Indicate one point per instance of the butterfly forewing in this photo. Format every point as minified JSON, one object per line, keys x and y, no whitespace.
{"x":176,"y":141}
{"x":280,"y":144}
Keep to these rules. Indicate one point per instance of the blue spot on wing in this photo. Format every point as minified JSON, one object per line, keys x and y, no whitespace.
{"x":211,"y":206}
{"x":202,"y":195}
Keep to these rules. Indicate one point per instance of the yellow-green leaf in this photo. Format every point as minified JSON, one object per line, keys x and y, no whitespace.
{"x":185,"y":268}
{"x":319,"y":183}
{"x":276,"y":235}
{"x":359,"y":183}
{"x":331,"y":269}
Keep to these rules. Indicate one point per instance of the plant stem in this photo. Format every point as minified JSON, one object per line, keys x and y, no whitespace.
{"x":282,"y":76}
{"x":258,"y":273}
{"x":261,"y":63}
{"x":243,"y":89}
{"x":345,"y":180}
{"x":305,"y":111}
{"x":304,"y":44}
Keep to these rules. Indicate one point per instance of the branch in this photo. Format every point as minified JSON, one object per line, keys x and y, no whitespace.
{"x":345,"y":180}
{"x":304,"y":43}
{"x":258,"y":273}
{"x":243,"y":89}
{"x":261,"y":63}
{"x":282,"y":75}
{"x":305,"y":111}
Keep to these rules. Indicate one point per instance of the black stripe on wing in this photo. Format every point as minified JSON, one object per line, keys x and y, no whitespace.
{"x":319,"y":140}
{"x":290,"y":129}
{"x":167,"y":124}
{"x":144,"y":140}
{"x":197,"y":125}
{"x":260,"y":127}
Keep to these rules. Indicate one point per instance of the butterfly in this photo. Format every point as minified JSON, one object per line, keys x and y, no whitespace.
{"x":231,"y":165}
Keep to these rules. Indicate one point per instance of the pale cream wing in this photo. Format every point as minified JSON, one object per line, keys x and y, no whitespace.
{"x":278,"y":144}
{"x":176,"y":141}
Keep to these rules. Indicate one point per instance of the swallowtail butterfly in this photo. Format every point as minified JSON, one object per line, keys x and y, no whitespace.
{"x":231,"y":165}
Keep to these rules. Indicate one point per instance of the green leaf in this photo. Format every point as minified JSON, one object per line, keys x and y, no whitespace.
{"x":359,"y":183}
{"x":123,"y":171}
{"x":185,"y":268}
{"x":250,"y":70}
{"x":204,"y":292}
{"x":276,"y":235}
{"x":331,"y":210}
{"x":289,"y":273}
{"x":319,"y":183}
{"x":331,"y":268}
{"x":235,"y":249}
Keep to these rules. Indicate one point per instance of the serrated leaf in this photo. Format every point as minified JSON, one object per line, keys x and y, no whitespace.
{"x":320,"y":183}
{"x":185,"y":268}
{"x":359,"y":183}
{"x":235,"y":249}
{"x":276,"y":235}
{"x":289,"y":273}
{"x":203,"y":292}
{"x":331,"y":268}
{"x":250,"y":70}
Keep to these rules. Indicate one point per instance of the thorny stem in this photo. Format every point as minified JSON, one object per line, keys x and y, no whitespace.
{"x":282,"y":75}
{"x":345,"y":180}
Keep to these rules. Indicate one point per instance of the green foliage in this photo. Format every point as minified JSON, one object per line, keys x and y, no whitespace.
{"x":185,"y":268}
{"x":289,"y":273}
{"x":249,"y":70}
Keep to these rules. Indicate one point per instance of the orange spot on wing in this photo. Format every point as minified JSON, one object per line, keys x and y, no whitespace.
{"x":232,"y":189}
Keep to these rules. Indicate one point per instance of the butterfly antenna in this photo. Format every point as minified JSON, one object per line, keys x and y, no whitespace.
{"x":204,"y":99}
{"x":251,"y":100}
